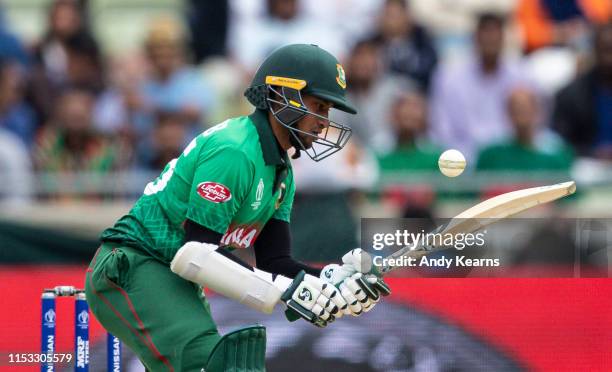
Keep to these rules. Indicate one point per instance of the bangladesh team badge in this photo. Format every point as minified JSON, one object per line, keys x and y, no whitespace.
{"x":341,"y":78}
{"x":281,"y":196}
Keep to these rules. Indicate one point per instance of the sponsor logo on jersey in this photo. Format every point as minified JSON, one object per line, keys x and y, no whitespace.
{"x":214,"y":192}
{"x":258,"y":195}
{"x":239,"y":236}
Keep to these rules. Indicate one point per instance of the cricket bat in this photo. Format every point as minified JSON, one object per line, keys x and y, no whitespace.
{"x":488,"y":212}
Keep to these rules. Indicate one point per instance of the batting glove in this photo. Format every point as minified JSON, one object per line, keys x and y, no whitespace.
{"x":358,"y":284}
{"x":314,"y":300}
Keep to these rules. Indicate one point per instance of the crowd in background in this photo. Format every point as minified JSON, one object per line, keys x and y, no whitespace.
{"x":522,"y":85}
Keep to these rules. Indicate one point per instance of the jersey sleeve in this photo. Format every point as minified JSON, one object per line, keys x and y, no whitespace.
{"x":283,"y":213}
{"x":220,"y":185}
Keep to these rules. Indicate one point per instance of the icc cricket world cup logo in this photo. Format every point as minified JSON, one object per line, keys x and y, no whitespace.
{"x":50,"y":316}
{"x":83,"y":319}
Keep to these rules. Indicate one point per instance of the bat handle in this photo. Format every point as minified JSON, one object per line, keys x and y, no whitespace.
{"x":379,"y":285}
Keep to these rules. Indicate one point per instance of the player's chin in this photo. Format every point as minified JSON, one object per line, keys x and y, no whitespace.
{"x":307,"y":141}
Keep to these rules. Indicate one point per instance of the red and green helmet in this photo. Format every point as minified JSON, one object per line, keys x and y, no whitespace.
{"x":289,"y":73}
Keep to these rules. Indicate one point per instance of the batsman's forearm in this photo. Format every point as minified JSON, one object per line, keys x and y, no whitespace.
{"x":273,"y":251}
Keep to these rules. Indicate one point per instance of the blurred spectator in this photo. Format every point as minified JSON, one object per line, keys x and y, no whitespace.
{"x":121,"y":105}
{"x":167,"y":142}
{"x":583,"y":109}
{"x":11,"y":48}
{"x":15,"y":170}
{"x":467,"y":107}
{"x":282,"y":22}
{"x":85,"y":63}
{"x":406,"y":46}
{"x":412,"y":150}
{"x":208,"y":24}
{"x":16,"y":116}
{"x":172,"y":85}
{"x":336,"y":13}
{"x":69,"y":142}
{"x":371,"y":89}
{"x":452,"y":21}
{"x":532,"y":148}
{"x":412,"y":154}
{"x":67,"y":55}
{"x":553,"y":22}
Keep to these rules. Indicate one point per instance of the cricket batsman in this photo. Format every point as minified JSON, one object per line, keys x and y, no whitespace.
{"x":232,"y":187}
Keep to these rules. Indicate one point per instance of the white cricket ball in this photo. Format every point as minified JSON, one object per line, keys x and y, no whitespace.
{"x":451,"y":163}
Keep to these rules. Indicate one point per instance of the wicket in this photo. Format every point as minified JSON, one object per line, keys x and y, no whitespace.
{"x":81,"y":331}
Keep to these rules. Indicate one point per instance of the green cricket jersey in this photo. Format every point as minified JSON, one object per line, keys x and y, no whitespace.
{"x":231,"y":179}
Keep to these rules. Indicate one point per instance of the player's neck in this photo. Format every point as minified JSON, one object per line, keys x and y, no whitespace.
{"x":280,"y":132}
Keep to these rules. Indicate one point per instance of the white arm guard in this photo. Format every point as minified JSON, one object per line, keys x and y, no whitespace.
{"x":201,"y":264}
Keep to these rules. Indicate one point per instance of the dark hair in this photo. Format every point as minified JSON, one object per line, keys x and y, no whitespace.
{"x":163,"y":116}
{"x":403,"y":3}
{"x":490,"y":18}
{"x":75,"y":89}
{"x":371,"y":42}
{"x":84,"y":44}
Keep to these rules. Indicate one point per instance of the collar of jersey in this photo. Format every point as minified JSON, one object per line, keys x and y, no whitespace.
{"x":269,"y":146}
